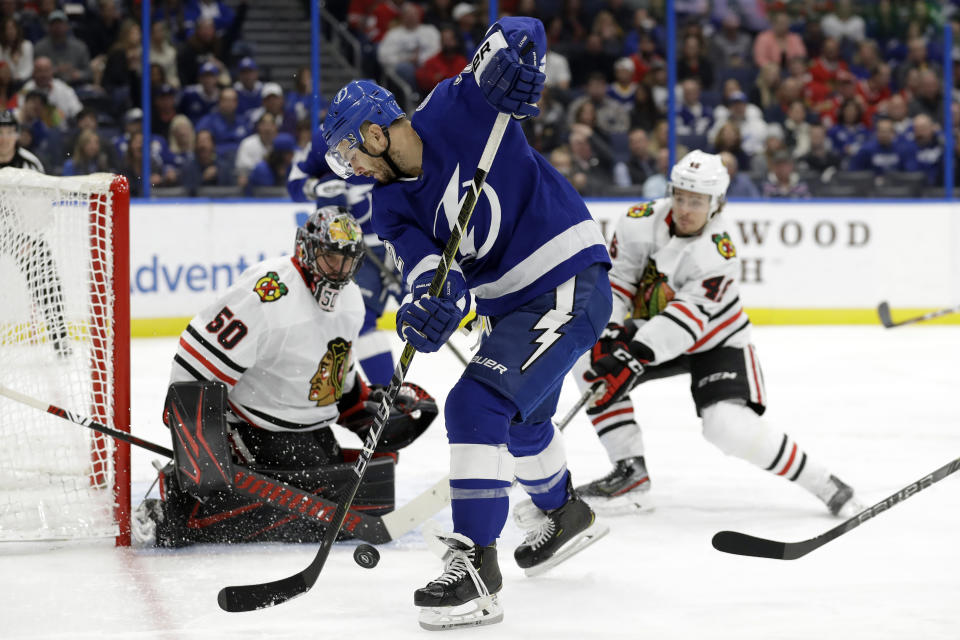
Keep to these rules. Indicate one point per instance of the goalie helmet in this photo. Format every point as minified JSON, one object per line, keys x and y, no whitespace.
{"x":701,"y":172}
{"x":329,"y":249}
{"x":359,"y":102}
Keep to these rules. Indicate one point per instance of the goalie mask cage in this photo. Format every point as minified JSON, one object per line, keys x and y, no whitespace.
{"x":64,"y":339}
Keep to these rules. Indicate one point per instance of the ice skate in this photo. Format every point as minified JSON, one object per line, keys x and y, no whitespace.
{"x":626,"y":489}
{"x":465,"y":593}
{"x":563,"y":532}
{"x":839,"y":498}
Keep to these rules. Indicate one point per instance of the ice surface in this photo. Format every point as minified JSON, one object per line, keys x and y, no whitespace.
{"x":879,"y":407}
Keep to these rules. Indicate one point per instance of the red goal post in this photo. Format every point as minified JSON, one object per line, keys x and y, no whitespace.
{"x":64,"y":338}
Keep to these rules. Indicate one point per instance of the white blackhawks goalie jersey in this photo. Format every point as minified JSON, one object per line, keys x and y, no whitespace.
{"x":683,"y":292}
{"x":285,"y":361}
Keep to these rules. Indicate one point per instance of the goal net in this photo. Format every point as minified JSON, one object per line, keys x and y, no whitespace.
{"x":65,"y":340}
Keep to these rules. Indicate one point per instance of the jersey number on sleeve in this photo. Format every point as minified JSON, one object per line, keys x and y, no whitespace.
{"x":713,"y":288}
{"x":228,"y":333}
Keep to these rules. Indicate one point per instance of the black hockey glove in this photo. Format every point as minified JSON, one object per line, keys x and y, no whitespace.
{"x":618,"y":369}
{"x":410,"y":415}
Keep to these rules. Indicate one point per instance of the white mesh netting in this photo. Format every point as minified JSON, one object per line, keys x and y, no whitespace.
{"x":57,"y":479}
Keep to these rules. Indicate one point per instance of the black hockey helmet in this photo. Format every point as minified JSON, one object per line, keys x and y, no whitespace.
{"x":9,"y":119}
{"x":330,"y":249}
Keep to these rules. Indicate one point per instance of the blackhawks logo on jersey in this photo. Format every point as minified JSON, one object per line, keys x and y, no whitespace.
{"x":653,"y":293}
{"x":326,"y":385}
{"x":640,"y":210}
{"x":724,"y":245}
{"x":269,"y":287}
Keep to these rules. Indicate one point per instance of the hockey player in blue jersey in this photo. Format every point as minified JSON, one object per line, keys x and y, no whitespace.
{"x":536,"y":264}
{"x":311,"y":180}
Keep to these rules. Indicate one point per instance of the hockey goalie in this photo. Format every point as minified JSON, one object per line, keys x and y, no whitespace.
{"x":279,"y":340}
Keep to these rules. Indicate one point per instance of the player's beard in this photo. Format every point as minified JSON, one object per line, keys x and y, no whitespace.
{"x":395,"y":169}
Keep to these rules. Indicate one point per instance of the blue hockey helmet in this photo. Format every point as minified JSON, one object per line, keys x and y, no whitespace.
{"x":359,"y":102}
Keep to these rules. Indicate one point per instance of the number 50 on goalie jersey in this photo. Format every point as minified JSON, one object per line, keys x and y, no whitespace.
{"x":683,"y":292}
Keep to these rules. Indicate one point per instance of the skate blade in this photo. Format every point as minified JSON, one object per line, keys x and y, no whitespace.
{"x":586,"y":538}
{"x":630,"y":503}
{"x":478,"y":612}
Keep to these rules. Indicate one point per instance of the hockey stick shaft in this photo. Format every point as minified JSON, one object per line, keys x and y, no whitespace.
{"x":747,"y":545}
{"x":258,"y":596}
{"x":883,"y":311}
{"x":395,"y":279}
{"x":282,"y":496}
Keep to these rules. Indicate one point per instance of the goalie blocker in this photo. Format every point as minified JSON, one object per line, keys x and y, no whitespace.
{"x":204,"y":498}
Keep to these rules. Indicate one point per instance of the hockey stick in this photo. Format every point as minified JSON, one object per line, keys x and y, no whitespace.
{"x":259,"y":596}
{"x":390,"y":275}
{"x":370,"y":528}
{"x":883,"y":310}
{"x":746,"y":545}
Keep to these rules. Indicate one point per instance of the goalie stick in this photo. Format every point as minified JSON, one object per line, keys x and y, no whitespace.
{"x":883,"y":310}
{"x":268,"y":594}
{"x":370,"y":528}
{"x":747,"y":545}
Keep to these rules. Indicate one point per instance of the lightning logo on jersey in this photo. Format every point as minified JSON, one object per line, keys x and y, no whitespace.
{"x":550,"y":323}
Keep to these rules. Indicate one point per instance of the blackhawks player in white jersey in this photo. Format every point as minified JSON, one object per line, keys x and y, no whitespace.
{"x":280,"y":340}
{"x":677,"y":309}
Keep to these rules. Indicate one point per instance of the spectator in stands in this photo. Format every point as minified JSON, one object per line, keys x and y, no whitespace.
{"x":163,"y":111}
{"x":598,"y":172}
{"x":693,"y":117}
{"x":207,"y":168}
{"x":644,"y":113}
{"x":925,"y":143}
{"x":248,"y":87}
{"x":611,"y":35}
{"x":591,"y":59}
{"x":100,"y":28}
{"x":200,"y":99}
{"x":163,"y":53}
{"x":562,"y":161}
{"x":762,"y":163}
{"x":70,"y":57}
{"x":885,"y":21}
{"x":439,"y":13}
{"x":43,"y":122}
{"x":180,"y":150}
{"x":783,"y":181}
{"x":299,"y":102}
{"x":370,"y":19}
{"x":740,"y":185}
{"x":9,"y":99}
{"x":272,"y":171}
{"x":219,"y":12}
{"x":727,"y":139}
{"x":557,"y":71}
{"x":639,"y":164}
{"x":824,"y":68}
{"x":447,"y":63}
{"x":623,"y":88}
{"x":408,"y":44}
{"x":729,"y":46}
{"x":844,"y":24}
{"x":272,"y":97}
{"x":866,"y":59}
{"x":917,"y":59}
{"x":693,"y":63}
{"x":254,"y":147}
{"x":789,"y":92}
{"x":87,"y":121}
{"x":764,"y":92}
{"x":201,"y":47}
{"x":131,"y":166}
{"x":748,"y":120}
{"x":796,"y":129}
{"x":928,"y":97}
{"x":881,"y":152}
{"x":547,"y":131}
{"x":469,"y":28}
{"x":876,"y":88}
{"x":15,"y":50}
{"x":611,"y":117}
{"x":821,"y":156}
{"x":59,"y":94}
{"x":225,"y":123}
{"x":849,"y":133}
{"x":121,"y":74}
{"x":132,"y":123}
{"x":777,"y":44}
{"x":88,"y":156}
{"x":656,"y":185}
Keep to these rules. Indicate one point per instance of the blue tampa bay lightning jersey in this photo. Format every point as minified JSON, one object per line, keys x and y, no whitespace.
{"x":354,"y":193}
{"x":530,"y":230}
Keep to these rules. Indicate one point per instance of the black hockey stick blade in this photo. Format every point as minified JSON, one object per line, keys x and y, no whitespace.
{"x":746,"y":545}
{"x":883,"y":310}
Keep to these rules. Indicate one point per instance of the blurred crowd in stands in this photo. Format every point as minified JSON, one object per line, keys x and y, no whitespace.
{"x":809,"y":97}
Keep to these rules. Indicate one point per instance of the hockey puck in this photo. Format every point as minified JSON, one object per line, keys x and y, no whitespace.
{"x":366,"y":556}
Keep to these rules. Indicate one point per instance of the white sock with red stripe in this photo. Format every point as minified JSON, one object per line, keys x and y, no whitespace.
{"x":738,"y":431}
{"x":619,"y":433}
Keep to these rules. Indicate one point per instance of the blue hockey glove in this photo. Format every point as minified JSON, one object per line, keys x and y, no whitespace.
{"x":425,"y":321}
{"x":508,"y":83}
